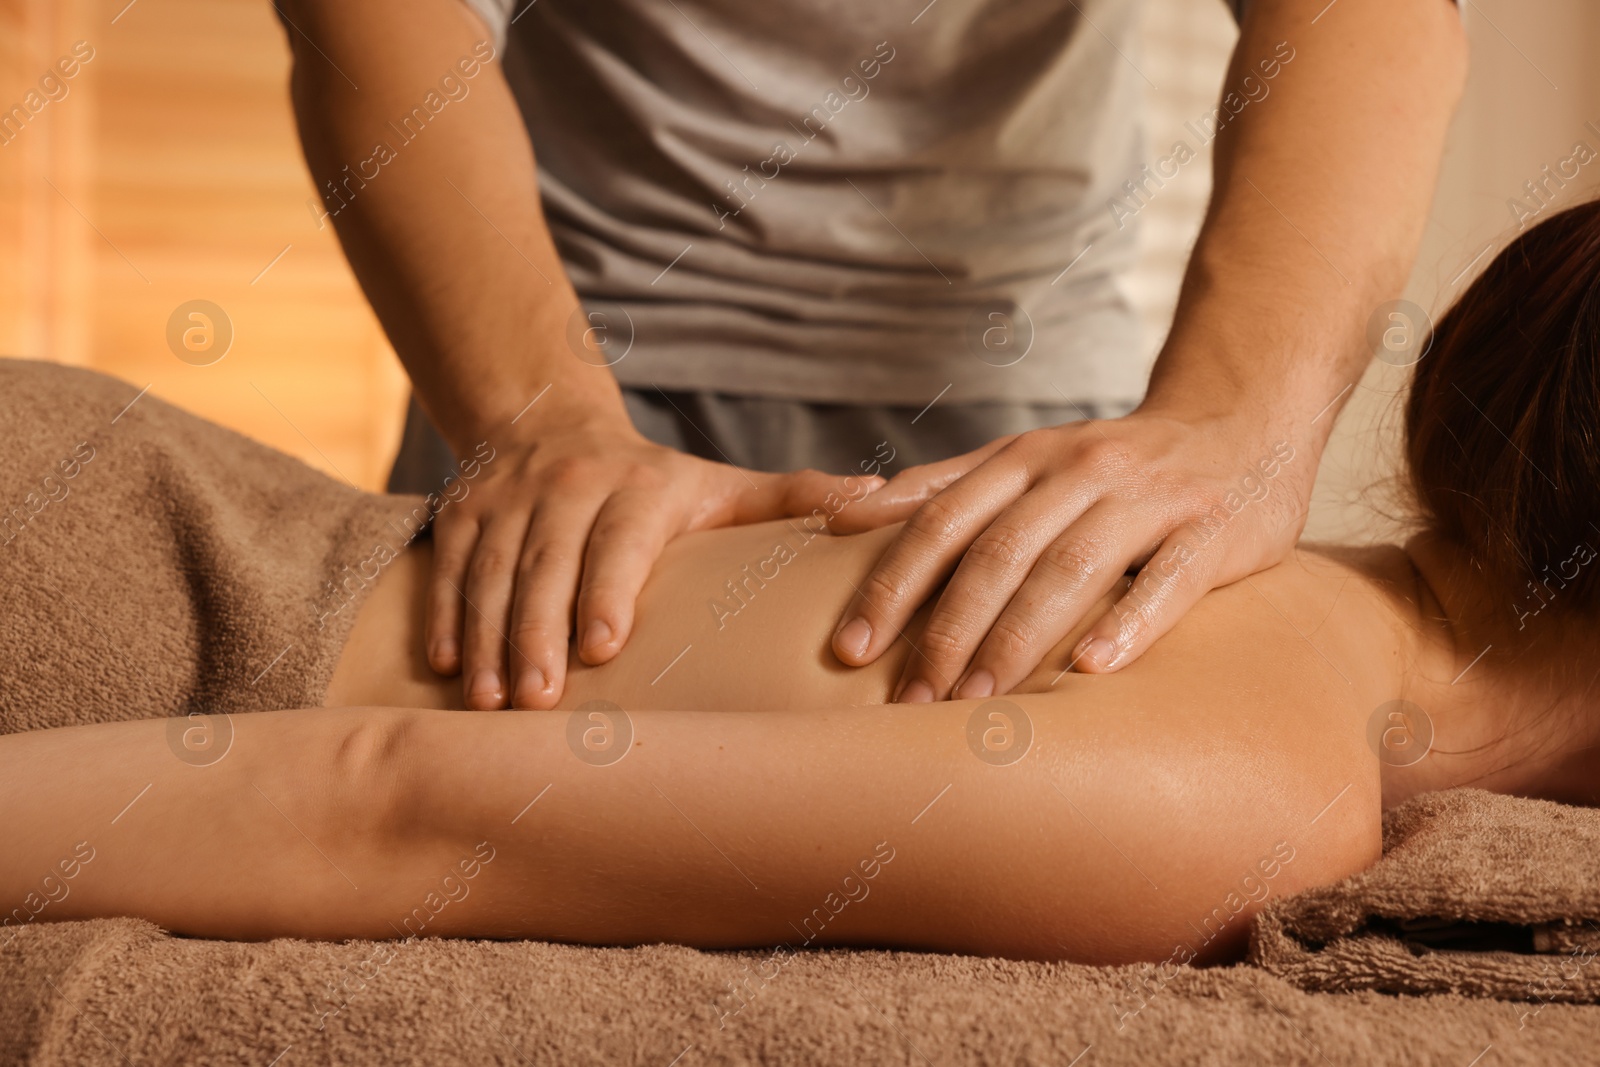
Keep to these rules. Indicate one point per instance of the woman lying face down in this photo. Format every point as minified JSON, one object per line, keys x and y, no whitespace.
{"x":725,"y":782}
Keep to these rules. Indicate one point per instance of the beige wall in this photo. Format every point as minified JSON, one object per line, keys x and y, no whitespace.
{"x":176,"y":176}
{"x":1534,"y":85}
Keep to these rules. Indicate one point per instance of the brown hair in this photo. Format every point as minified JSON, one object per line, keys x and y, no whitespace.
{"x":1503,"y":418}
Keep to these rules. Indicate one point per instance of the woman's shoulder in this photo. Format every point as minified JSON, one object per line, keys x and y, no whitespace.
{"x":1249,"y":722}
{"x":1294,"y":659}
{"x":1326,"y":621}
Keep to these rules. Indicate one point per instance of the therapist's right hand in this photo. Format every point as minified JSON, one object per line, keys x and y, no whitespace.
{"x":566,"y":529}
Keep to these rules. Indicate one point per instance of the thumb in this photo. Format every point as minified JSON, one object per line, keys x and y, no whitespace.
{"x":908,"y":490}
{"x":765,"y":496}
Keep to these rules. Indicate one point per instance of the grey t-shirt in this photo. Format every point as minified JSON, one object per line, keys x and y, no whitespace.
{"x":841,"y":201}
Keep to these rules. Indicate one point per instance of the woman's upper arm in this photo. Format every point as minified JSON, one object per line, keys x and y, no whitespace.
{"x":1103,"y":831}
{"x":241,"y":826}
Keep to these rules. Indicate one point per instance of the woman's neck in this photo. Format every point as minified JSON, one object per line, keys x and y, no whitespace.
{"x":1506,"y":692}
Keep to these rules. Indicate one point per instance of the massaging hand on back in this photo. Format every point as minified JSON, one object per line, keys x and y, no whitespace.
{"x":564,"y":525}
{"x":452,"y":250}
{"x":1047,"y":524}
{"x":1034,"y":528}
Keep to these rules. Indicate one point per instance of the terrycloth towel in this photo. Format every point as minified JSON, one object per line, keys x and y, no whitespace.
{"x":114,"y":993}
{"x":156,"y":564}
{"x":153,"y":564}
{"x":1477,"y":893}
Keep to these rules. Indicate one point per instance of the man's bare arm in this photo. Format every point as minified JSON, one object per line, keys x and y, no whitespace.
{"x":1320,"y":194}
{"x":447,"y":237}
{"x":430,"y":181}
{"x":1322,"y":189}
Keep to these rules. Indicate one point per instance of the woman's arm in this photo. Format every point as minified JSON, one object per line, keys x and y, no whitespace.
{"x":1113,"y":838}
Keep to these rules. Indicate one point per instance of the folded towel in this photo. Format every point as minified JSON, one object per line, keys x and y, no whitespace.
{"x":1477,"y":893}
{"x":156,"y":564}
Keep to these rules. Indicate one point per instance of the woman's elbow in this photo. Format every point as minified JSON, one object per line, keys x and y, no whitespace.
{"x":366,"y":764}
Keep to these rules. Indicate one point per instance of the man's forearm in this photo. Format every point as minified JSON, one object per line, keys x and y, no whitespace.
{"x":431,"y":185}
{"x":1322,"y":184}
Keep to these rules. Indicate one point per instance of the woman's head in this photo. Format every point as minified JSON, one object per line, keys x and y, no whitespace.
{"x":1503,"y":419}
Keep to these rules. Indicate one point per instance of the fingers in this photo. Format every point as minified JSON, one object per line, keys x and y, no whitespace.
{"x":547,"y":573}
{"x":908,"y":490}
{"x":926,"y":550}
{"x":455,"y":533}
{"x":1002,"y":615}
{"x":629,"y":534}
{"x":1164,"y":590}
{"x":487,"y":594}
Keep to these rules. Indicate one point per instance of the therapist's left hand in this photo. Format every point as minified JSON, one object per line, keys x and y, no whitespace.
{"x":1036,"y":532}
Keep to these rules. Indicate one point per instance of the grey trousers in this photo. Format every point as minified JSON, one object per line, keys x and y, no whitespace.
{"x":763,"y":433}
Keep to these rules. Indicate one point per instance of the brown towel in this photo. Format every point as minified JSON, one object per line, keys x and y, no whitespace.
{"x":1477,"y":893}
{"x":114,"y":993}
{"x":156,"y":564}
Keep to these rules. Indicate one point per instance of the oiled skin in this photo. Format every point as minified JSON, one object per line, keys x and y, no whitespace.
{"x":763,"y":782}
{"x":770,"y":795}
{"x":775,"y":584}
{"x":768,"y":650}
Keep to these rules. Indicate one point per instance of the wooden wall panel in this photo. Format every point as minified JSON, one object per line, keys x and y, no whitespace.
{"x":177,"y":146}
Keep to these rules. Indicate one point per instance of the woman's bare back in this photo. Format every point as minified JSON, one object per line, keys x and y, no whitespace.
{"x":738,"y":619}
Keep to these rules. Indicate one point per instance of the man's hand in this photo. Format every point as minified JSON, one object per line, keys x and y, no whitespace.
{"x":1319,"y":197}
{"x":453,"y":250}
{"x":1049,"y":523}
{"x":577,"y":520}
